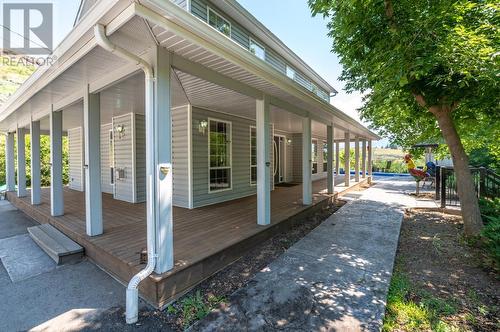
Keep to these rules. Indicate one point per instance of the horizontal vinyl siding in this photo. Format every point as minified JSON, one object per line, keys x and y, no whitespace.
{"x":140,"y":158}
{"x":180,"y":155}
{"x":240,"y":159}
{"x":241,"y":36}
{"x":199,"y":9}
{"x":76,"y":152}
{"x":124,"y":188}
{"x":106,"y":185}
{"x":276,"y":61}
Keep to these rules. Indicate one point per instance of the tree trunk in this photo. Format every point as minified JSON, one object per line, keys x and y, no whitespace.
{"x":465,"y":185}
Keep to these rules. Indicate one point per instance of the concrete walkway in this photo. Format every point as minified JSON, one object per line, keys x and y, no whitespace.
{"x":36,"y":295}
{"x":334,"y":279}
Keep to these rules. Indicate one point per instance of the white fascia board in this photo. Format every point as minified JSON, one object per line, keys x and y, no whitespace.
{"x":74,"y":46}
{"x":187,"y":26}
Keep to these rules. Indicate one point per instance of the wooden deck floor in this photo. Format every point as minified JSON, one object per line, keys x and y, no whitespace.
{"x":199,"y":234}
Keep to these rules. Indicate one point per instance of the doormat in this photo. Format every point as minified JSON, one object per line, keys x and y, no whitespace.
{"x":23,"y":259}
{"x":286,"y":184}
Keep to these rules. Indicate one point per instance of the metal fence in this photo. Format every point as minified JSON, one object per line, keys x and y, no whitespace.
{"x":486,"y":184}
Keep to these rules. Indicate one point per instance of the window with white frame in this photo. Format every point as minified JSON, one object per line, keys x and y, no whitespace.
{"x":219,"y":22}
{"x":257,"y":49}
{"x":219,"y":135}
{"x":290,"y":72}
{"x":314,"y":156}
{"x":253,"y":155}
{"x":325,"y":156}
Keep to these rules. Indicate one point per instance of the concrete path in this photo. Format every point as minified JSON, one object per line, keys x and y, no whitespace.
{"x":50,"y":298}
{"x":334,"y":279}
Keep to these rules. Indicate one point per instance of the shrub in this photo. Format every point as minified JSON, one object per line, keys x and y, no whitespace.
{"x":490,"y":211}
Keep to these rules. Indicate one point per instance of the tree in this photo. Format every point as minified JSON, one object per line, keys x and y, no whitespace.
{"x":425,"y":66}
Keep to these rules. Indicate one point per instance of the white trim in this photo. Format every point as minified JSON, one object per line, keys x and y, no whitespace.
{"x":284,"y":154}
{"x":134,"y":157}
{"x":188,"y":6}
{"x":230,"y":155}
{"x":312,"y":156}
{"x":190,"y":156}
{"x":253,"y":184}
{"x":209,"y":9}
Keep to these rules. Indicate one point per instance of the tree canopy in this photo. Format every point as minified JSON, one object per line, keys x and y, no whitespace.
{"x":427,"y":68}
{"x":445,"y":51}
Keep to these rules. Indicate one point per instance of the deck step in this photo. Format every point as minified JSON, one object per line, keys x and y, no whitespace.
{"x":58,"y":246}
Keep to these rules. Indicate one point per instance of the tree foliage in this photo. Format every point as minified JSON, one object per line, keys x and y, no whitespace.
{"x":427,"y":67}
{"x":44,"y":160}
{"x":444,"y":50}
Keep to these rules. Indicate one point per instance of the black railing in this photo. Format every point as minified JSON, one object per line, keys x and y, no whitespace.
{"x":486,"y":184}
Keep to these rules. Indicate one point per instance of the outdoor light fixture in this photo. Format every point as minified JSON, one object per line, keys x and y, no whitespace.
{"x":120,"y":130}
{"x":202,"y":126}
{"x":289,"y":141}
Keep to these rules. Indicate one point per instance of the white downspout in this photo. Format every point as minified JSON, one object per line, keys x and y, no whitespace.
{"x":132,"y":308}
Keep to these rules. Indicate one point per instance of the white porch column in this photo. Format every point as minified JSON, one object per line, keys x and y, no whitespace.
{"x":370,"y":156}
{"x":306,"y":161}
{"x":35,"y":163}
{"x":329,"y":161}
{"x":356,"y":159}
{"x":10,"y":168}
{"x":21,"y":162}
{"x":56,"y":182}
{"x":263,"y":162}
{"x":92,"y":133}
{"x":159,"y":160}
{"x":347,"y":161}
{"x":363,"y":159}
{"x":337,"y":158}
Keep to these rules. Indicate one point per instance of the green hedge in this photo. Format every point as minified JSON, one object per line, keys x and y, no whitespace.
{"x":490,"y":211}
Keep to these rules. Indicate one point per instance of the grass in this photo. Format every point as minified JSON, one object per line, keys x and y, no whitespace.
{"x":195,"y":307}
{"x":410,"y":308}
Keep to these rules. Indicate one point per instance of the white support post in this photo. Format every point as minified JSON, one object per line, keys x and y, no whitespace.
{"x":92,"y":134}
{"x":262,"y":113}
{"x":56,"y":169}
{"x":306,"y":161}
{"x":337,"y":158}
{"x":363,"y":159}
{"x":159,"y":141}
{"x":356,"y":159}
{"x":347,"y":161}
{"x":10,"y":168}
{"x":329,"y":159}
{"x":36,"y":191}
{"x":21,"y":163}
{"x":370,"y":156}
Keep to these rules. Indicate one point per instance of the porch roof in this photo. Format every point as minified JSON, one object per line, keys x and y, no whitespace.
{"x":214,"y":57}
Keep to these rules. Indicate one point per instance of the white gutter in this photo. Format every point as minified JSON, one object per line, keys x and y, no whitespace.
{"x":132,"y":308}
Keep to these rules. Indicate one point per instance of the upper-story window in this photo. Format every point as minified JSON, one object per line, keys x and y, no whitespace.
{"x":219,"y":22}
{"x":257,"y":49}
{"x":290,"y":72}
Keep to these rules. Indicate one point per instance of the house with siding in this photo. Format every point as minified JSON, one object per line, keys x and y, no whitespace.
{"x":193,"y":134}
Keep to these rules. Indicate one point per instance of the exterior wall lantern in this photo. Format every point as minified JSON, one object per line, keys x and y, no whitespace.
{"x":120,"y":130}
{"x":202,"y":126}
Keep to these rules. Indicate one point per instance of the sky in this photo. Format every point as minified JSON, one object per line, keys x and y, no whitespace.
{"x":292,"y":23}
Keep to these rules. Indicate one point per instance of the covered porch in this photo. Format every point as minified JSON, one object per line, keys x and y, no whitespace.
{"x":205,"y":239}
